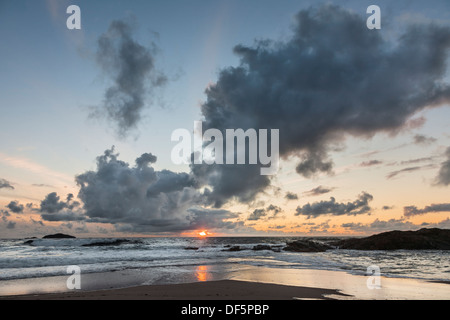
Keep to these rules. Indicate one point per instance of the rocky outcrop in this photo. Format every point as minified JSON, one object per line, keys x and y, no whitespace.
{"x":306,"y":246}
{"x":423,"y":239}
{"x":58,"y":236}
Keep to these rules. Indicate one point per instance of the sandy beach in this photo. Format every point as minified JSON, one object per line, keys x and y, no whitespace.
{"x":251,"y":283}
{"x":209,"y":290}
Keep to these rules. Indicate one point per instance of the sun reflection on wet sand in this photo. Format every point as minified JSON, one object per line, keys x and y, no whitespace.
{"x":202,"y":273}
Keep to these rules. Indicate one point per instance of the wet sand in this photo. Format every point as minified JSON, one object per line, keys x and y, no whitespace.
{"x":249,"y":283}
{"x":209,"y":290}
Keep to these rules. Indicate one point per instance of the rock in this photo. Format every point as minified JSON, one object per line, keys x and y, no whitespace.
{"x":261,"y":247}
{"x":306,"y":246}
{"x":28,"y":242}
{"x":191,"y":248}
{"x":423,"y":239}
{"x":58,"y":236}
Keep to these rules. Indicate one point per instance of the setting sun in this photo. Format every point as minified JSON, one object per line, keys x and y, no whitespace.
{"x":203,"y":233}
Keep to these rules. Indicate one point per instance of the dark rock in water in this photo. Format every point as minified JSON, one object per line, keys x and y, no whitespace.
{"x":423,"y":239}
{"x":58,"y":236}
{"x":234,"y":248}
{"x":116,"y":242}
{"x":191,"y":248}
{"x":261,"y":247}
{"x":28,"y":242}
{"x":306,"y":246}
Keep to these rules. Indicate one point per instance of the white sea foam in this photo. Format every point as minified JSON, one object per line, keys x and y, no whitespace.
{"x":49,"y":257}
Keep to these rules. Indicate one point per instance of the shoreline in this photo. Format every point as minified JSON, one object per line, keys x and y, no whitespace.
{"x":243,"y":283}
{"x":208,"y":290}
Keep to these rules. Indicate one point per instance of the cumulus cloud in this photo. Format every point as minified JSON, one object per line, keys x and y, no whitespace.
{"x":271,"y":211}
{"x":443,"y":177}
{"x":131,"y":68}
{"x":15,"y":207}
{"x":52,"y":203}
{"x":410,"y":211}
{"x":331,"y":207}
{"x":332,"y":78}
{"x":54,"y":209}
{"x":138,"y":198}
{"x":5,"y":184}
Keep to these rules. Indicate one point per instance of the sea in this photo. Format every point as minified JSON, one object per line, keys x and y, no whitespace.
{"x":25,"y":259}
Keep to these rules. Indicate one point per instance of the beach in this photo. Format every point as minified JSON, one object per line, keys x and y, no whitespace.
{"x":250,"y":283}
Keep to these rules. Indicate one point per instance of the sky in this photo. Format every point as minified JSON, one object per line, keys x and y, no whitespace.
{"x":87,"y":117}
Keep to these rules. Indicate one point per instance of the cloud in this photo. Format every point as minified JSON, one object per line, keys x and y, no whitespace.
{"x":421,"y":139}
{"x":131,"y":68}
{"x":53,"y":209}
{"x":380,"y":226}
{"x":139,"y":198}
{"x":318,"y":191}
{"x":393,"y":224}
{"x":418,"y":160}
{"x":330,"y":79}
{"x":409,"y":169}
{"x":291,"y":196}
{"x":5,"y":184}
{"x":411,"y":211}
{"x":258,"y":214}
{"x":52,"y":203}
{"x":10,"y":225}
{"x":42,"y":185}
{"x":63,"y":215}
{"x":331,"y":207}
{"x":443,"y":177}
{"x":370,"y":163}
{"x":15,"y":207}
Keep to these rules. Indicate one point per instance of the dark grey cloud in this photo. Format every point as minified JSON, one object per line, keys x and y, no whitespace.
{"x":410,"y":211}
{"x":138,"y":199}
{"x":5,"y":184}
{"x":15,"y":207}
{"x":443,"y":177}
{"x":332,"y":78}
{"x":131,"y":68}
{"x":139,"y":195}
{"x":291,"y":196}
{"x":270,"y":212}
{"x":331,"y":207}
{"x":423,"y":140}
{"x":318,"y":191}
{"x":141,"y":199}
{"x":64,"y":215}
{"x":53,"y":204}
